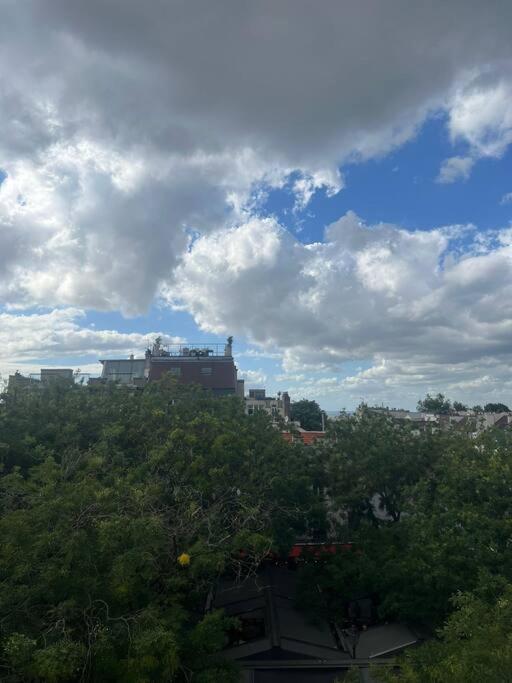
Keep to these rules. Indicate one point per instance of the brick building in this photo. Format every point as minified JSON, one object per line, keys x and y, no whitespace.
{"x":208,"y":365}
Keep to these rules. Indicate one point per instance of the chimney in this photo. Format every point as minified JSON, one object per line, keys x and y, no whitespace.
{"x":285,"y":397}
{"x":228,"y":348}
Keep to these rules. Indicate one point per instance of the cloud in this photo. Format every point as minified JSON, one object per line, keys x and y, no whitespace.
{"x":124,"y":130}
{"x":455,"y":168}
{"x":253,"y":377}
{"x":394,"y":383}
{"x":507,"y":198}
{"x":31,"y":340}
{"x":407,"y":301}
{"x":480,"y":115}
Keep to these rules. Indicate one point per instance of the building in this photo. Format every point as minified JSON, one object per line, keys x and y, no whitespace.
{"x":274,"y":641}
{"x":125,"y":371}
{"x":45,"y":376}
{"x":467,"y":421}
{"x":56,"y":375}
{"x":19,"y":381}
{"x":299,"y":435}
{"x":210,"y":366}
{"x":275,"y":407}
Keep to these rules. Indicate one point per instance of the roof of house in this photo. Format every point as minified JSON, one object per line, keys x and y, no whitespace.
{"x":288,"y":634}
{"x":308,"y":437}
{"x":290,"y":647}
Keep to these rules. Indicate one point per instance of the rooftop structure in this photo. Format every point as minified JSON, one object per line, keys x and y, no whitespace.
{"x":208,"y":365}
{"x":275,"y":407}
{"x":46,"y":376}
{"x":307,"y":437}
{"x":468,"y":421}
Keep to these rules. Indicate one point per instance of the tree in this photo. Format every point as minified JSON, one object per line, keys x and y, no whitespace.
{"x":102,"y":491}
{"x":309,"y":414}
{"x":448,"y":521}
{"x":496,"y":408}
{"x":371,"y":461}
{"x":438,"y":404}
{"x":459,"y":407}
{"x":474,"y":645}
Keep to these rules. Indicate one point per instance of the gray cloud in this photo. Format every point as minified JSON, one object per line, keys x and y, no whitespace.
{"x":125,"y":124}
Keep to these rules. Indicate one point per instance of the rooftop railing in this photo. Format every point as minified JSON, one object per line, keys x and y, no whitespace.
{"x":76,"y":378}
{"x":192,"y":350}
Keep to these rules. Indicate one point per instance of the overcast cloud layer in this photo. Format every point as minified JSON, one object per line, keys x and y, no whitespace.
{"x":127,"y":127}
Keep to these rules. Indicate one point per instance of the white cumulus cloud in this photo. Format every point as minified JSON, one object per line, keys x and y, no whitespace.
{"x":402,"y":299}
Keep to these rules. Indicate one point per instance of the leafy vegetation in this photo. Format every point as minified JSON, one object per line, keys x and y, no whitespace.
{"x":309,"y":415}
{"x":496,"y":408}
{"x":102,"y":492}
{"x":119,"y":510}
{"x":438,"y":404}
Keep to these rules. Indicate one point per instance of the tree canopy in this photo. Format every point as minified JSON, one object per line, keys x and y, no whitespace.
{"x":103,"y":492}
{"x":438,"y":404}
{"x":496,"y":408}
{"x":308,"y":414}
{"x":120,"y":509}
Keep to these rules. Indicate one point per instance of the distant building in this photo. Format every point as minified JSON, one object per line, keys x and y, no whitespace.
{"x":307,"y":437}
{"x":468,"y":421}
{"x":125,"y":371}
{"x":19,"y":381}
{"x":208,"y":365}
{"x":56,"y":375}
{"x":45,"y":376}
{"x":275,"y":407}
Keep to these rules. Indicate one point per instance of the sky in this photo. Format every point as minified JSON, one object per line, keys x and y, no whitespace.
{"x":328,"y":182}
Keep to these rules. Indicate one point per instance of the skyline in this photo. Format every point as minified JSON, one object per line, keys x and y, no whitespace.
{"x":332,"y":187}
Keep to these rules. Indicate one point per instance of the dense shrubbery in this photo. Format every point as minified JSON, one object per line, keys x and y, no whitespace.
{"x":102,"y":491}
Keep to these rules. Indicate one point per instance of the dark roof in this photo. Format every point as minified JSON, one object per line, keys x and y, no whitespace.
{"x":282,"y":645}
{"x":290,"y":676}
{"x":288,"y":634}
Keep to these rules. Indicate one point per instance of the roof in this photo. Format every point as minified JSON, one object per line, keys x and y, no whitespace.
{"x":385,"y":639}
{"x":285,"y":645}
{"x":308,"y":438}
{"x":286,"y":632}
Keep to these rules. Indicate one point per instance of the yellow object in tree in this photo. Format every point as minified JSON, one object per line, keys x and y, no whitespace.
{"x":184,"y":559}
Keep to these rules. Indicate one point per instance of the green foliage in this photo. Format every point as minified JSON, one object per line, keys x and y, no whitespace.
{"x":60,"y":661}
{"x":438,"y":404}
{"x":475,"y":645}
{"x":102,"y":489}
{"x":496,"y":408}
{"x":459,"y":407}
{"x":308,"y":414}
{"x":428,"y":513}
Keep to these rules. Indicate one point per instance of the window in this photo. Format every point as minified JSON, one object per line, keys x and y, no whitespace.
{"x":175,"y":371}
{"x":206,"y":370}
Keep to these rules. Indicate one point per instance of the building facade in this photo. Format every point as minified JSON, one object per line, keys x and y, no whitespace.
{"x":210,"y":366}
{"x":279,"y":406}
